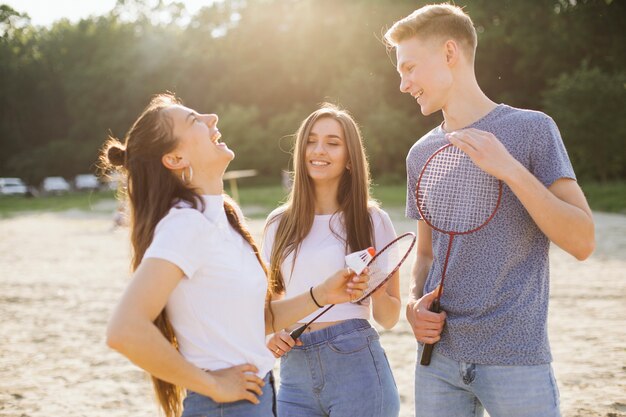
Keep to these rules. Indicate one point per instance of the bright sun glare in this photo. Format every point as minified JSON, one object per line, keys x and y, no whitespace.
{"x":45,"y":12}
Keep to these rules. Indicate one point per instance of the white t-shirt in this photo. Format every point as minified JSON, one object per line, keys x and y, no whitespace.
{"x":321,"y":254}
{"x":217,"y":309}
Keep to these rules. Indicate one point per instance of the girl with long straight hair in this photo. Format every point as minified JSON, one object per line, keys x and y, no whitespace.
{"x":337,"y":367}
{"x":196,"y":312}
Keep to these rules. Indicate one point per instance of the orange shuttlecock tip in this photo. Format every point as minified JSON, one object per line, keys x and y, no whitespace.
{"x":371,"y":251}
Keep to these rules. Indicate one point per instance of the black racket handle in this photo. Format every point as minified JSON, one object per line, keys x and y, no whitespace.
{"x":427,"y":352}
{"x":295,"y":334}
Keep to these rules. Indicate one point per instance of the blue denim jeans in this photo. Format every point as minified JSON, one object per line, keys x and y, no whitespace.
{"x":340,"y":371}
{"x":451,"y":388}
{"x":197,"y":405}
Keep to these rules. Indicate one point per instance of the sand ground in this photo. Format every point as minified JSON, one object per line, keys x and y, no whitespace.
{"x":61,"y":275}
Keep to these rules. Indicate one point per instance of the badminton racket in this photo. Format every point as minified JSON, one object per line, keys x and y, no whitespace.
{"x":381,"y":268}
{"x":454,"y":197}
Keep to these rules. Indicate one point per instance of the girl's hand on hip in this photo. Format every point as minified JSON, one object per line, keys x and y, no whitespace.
{"x":237,"y":383}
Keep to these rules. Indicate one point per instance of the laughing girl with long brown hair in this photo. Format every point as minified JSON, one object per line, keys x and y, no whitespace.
{"x":196,"y":312}
{"x":338,"y":366}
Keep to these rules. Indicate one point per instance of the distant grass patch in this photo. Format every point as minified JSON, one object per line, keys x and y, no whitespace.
{"x":265,"y":196}
{"x":609,"y":197}
{"x":390,"y":195}
{"x":10,"y":205}
{"x":271,"y":196}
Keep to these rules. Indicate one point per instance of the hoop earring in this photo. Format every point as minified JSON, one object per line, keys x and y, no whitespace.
{"x":185,"y":180}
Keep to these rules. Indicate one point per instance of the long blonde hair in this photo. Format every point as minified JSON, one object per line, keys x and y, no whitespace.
{"x":152,"y":189}
{"x":296,"y":216}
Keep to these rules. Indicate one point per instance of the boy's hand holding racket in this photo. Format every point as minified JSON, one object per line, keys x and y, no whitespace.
{"x":426,"y":325}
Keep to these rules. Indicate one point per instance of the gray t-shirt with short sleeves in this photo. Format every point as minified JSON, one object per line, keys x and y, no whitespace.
{"x":497,"y":282}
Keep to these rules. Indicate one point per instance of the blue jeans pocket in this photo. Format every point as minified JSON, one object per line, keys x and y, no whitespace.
{"x":349,"y":342}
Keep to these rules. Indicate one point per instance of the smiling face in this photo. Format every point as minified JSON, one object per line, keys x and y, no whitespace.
{"x":425,"y":72}
{"x":199,"y":143}
{"x":326,"y":155}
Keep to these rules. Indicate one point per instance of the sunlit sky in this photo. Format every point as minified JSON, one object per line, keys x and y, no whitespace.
{"x":44,"y":12}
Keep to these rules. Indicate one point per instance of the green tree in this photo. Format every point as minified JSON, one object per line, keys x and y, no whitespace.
{"x":263,"y":65}
{"x":589,"y":107}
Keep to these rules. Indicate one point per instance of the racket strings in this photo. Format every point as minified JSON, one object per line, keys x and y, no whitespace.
{"x":382,"y":267}
{"x":386,"y":262}
{"x":454,"y":195}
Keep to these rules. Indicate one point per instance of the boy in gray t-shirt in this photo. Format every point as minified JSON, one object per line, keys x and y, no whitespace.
{"x":493,"y":352}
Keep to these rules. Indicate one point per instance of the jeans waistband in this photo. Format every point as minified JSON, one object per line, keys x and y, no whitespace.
{"x":327,"y":333}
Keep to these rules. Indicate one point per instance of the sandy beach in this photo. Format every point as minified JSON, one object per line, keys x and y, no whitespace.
{"x":62,"y":273}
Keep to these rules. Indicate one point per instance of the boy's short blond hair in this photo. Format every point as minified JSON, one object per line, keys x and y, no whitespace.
{"x":436,"y":20}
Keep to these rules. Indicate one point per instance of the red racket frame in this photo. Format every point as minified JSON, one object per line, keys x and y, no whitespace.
{"x":436,"y":305}
{"x":297,"y":332}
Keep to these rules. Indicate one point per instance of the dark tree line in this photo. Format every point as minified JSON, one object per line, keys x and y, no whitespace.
{"x":263,"y":65}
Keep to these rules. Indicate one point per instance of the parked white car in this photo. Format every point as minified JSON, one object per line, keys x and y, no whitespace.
{"x":12,"y":186}
{"x":55,"y":185}
{"x":86,"y":182}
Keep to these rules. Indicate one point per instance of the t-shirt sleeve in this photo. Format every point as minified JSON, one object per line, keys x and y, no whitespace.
{"x":178,"y":238}
{"x":548,"y":157}
{"x":412,"y":175}
{"x":384,"y":231}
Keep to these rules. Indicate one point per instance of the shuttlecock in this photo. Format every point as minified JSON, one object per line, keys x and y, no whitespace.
{"x":357,"y":261}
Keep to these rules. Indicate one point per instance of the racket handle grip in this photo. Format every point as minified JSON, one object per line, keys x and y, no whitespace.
{"x":427,"y":352}
{"x":295,"y":334}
